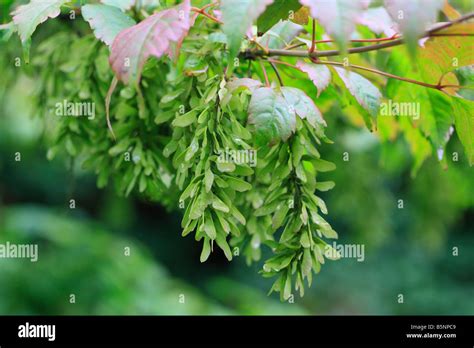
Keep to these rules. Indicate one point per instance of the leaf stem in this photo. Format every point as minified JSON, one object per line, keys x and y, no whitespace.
{"x":277,"y":73}
{"x":205,"y":14}
{"x":111,"y":90}
{"x":267,"y":82}
{"x":313,"y":41}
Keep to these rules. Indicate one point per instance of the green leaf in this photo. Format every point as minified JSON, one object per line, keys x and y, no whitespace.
{"x":325,"y":185}
{"x":238,"y":16}
{"x":28,"y":17}
{"x":280,"y":35}
{"x":279,"y":262}
{"x":413,"y":18}
{"x":304,"y":240}
{"x":367,"y":96}
{"x":307,"y":264}
{"x":7,"y":30}
{"x":206,"y":250}
{"x":323,"y":166}
{"x":209,"y":227}
{"x":287,"y":288}
{"x":185,"y":120}
{"x":303,"y":106}
{"x":464,"y":122}
{"x":106,"y":21}
{"x":208,"y":179}
{"x":338,"y":17}
{"x":269,"y":112}
{"x":280,"y":9}
{"x":238,"y":184}
{"x":238,"y":215}
{"x":436,"y":119}
{"x":219,"y":205}
{"x":225,"y":167}
{"x":222,"y":243}
{"x":280,"y":215}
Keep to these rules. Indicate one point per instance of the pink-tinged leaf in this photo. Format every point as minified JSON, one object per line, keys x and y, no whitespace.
{"x":338,"y":17}
{"x":28,"y":17}
{"x":238,"y":16}
{"x":366,"y":95}
{"x":413,"y":17}
{"x":156,"y":36}
{"x":245,"y":82}
{"x":378,"y":20}
{"x":318,"y":73}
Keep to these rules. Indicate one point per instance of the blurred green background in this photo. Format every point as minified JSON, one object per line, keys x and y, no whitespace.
{"x":408,"y":251}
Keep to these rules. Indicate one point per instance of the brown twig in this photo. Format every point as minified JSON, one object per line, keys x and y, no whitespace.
{"x":378,"y":46}
{"x":202,"y":12}
{"x":375,"y":71}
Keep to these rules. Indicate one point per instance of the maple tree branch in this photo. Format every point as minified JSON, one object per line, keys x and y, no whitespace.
{"x":378,"y":46}
{"x":375,"y":71}
{"x":205,"y":14}
{"x":381,"y":39}
{"x":386,"y":74}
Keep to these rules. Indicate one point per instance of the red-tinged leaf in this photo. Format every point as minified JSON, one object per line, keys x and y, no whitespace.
{"x":155,"y":36}
{"x":318,"y":73}
{"x":338,"y":17}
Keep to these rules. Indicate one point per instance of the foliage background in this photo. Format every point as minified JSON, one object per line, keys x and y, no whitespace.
{"x":408,"y":251}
